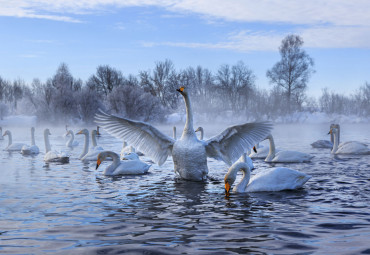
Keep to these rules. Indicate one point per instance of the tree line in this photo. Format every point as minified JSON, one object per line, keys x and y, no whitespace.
{"x":151,"y":95}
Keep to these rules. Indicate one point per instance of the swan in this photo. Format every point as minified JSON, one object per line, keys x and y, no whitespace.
{"x":33,"y":149}
{"x":272,"y":179}
{"x":285,"y":156}
{"x":98,"y":131}
{"x":351,"y":147}
{"x":12,"y":146}
{"x":174,"y":133}
{"x":128,"y":153}
{"x":326,"y":144}
{"x":119,"y":167}
{"x":53,"y":156}
{"x":1,"y":134}
{"x":71,"y":142}
{"x":188,"y":153}
{"x":89,"y":154}
{"x":201,"y":131}
{"x":260,"y":152}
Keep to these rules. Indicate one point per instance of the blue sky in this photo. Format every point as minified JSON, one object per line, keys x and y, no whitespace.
{"x":132,"y":35}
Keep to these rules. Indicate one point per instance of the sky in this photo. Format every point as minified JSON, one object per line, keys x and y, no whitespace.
{"x":132,"y":35}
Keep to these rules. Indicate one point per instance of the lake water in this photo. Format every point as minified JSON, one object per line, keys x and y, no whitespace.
{"x":74,"y":209}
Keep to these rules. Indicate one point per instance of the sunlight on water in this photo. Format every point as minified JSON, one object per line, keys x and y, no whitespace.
{"x":74,"y":209}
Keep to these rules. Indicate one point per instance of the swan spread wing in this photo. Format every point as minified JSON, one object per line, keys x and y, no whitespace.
{"x":139,"y":134}
{"x":234,"y":141}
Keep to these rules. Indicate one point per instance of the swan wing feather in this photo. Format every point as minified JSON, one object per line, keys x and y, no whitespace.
{"x":234,"y":141}
{"x":139,"y":134}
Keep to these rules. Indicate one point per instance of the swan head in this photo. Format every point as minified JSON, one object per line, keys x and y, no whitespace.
{"x":182,"y":91}
{"x":333,"y":130}
{"x":199,"y":129}
{"x":82,"y":132}
{"x":101,"y":157}
{"x":230,"y":177}
{"x":7,"y":132}
{"x":255,"y":149}
{"x":47,"y":132}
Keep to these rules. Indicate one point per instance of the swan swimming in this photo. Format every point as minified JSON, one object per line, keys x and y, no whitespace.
{"x":272,"y":179}
{"x":12,"y":146}
{"x":33,"y":149}
{"x":326,"y":144}
{"x":128,"y":153}
{"x":53,"y":156}
{"x":89,"y":154}
{"x":351,"y":147}
{"x":188,"y":153}
{"x":285,"y":156}
{"x":71,"y":142}
{"x":119,"y":167}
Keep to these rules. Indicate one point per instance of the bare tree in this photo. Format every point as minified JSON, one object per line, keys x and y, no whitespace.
{"x":293,"y":71}
{"x":105,"y":79}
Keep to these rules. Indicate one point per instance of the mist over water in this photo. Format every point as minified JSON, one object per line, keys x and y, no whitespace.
{"x":74,"y":209}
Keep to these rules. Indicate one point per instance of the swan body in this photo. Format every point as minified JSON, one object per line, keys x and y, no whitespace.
{"x":71,"y":142}
{"x":12,"y":146}
{"x":33,"y":149}
{"x":273,"y":179}
{"x":119,"y":167}
{"x":188,"y":153}
{"x":285,"y":156}
{"x":325,"y":144}
{"x":53,"y":156}
{"x":351,"y":147}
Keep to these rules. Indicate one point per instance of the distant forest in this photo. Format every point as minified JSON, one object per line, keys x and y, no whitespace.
{"x":151,"y":95}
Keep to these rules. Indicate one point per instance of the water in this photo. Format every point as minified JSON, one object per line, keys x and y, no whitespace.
{"x":74,"y":209}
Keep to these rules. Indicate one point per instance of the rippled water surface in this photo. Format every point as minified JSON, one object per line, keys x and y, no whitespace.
{"x":74,"y":209}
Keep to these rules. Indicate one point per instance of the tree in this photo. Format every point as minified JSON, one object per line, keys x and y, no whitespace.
{"x":105,"y":79}
{"x":294,"y":70}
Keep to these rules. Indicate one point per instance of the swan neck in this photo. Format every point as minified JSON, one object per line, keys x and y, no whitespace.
{"x":174,"y":133}
{"x":271,"y":154}
{"x":86,"y":146}
{"x":10,"y":140}
{"x":93,"y":139}
{"x":201,"y":134}
{"x":336,"y":142}
{"x":47,"y":143}
{"x":188,"y":129}
{"x":243,"y":184}
{"x":243,"y":158}
{"x":33,"y":137}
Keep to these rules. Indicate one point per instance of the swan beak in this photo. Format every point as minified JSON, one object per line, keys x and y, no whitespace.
{"x":181,"y":90}
{"x":255,"y":149}
{"x":227,"y":188}
{"x":98,"y":162}
{"x":79,"y":132}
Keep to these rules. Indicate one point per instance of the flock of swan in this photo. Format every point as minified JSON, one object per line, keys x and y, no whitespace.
{"x":189,"y":154}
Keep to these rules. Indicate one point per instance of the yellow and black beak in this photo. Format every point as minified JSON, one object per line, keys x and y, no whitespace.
{"x":329,"y":132}
{"x":255,"y":149}
{"x":79,"y":132}
{"x":227,"y":189}
{"x":98,"y":162}
{"x":181,"y":89}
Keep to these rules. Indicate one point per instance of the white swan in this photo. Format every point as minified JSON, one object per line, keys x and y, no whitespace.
{"x":351,"y":147}
{"x":174,"y":133}
{"x":119,"y":167}
{"x":12,"y":146}
{"x":201,"y":131}
{"x":272,"y":179}
{"x":128,"y":153}
{"x":98,"y":131}
{"x":326,"y":144}
{"x":89,"y":154}
{"x":1,"y":134}
{"x":285,"y":156}
{"x":71,"y":141}
{"x":188,"y":153}
{"x":53,"y":156}
{"x":33,"y":149}
{"x":260,"y":152}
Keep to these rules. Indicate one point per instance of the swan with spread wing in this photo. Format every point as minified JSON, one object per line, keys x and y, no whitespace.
{"x":188,"y":153}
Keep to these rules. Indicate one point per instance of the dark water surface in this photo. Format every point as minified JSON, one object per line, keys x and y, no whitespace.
{"x":73,"y":209}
